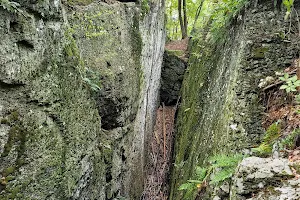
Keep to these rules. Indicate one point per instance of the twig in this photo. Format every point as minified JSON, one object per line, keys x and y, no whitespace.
{"x":273,"y":85}
{"x":164,"y":131}
{"x":279,"y":82}
{"x":176,"y":106}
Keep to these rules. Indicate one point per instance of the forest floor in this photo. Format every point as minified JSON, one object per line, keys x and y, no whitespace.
{"x":283,"y":108}
{"x":160,"y":155}
{"x":179,"y":45}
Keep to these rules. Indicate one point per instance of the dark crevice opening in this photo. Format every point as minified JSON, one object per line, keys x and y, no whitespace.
{"x":25,"y":44}
{"x":10,"y":85}
{"x":171,"y":79}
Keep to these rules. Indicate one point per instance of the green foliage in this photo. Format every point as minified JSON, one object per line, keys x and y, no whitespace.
{"x":144,"y":7}
{"x":213,"y":14}
{"x":224,"y":11}
{"x":291,"y":83}
{"x":270,"y":137}
{"x":200,"y":173}
{"x":263,"y":149}
{"x":224,"y":167}
{"x":92,"y":79}
{"x":289,"y":141}
{"x":272,"y":133}
{"x":297,"y":98}
{"x":172,"y":25}
{"x":186,"y":186}
{"x":288,"y":5}
{"x":11,"y":6}
{"x":221,"y":168}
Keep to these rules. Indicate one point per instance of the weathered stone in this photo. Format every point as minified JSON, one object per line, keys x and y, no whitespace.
{"x":221,"y":108}
{"x":62,"y":69}
{"x":264,"y":178}
{"x":171,"y":78}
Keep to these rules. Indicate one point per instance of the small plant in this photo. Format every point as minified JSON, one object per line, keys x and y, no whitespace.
{"x":289,"y":141}
{"x":291,"y":83}
{"x":221,"y":168}
{"x":297,"y":98}
{"x":288,"y":5}
{"x":270,"y":137}
{"x":92,"y":79}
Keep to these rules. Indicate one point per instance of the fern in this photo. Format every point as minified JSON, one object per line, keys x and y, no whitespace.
{"x":200,"y":173}
{"x":223,"y":160}
{"x":222,"y":175}
{"x":186,"y":186}
{"x":221,"y":168}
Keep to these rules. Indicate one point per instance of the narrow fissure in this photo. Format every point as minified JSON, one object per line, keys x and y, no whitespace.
{"x":160,"y":152}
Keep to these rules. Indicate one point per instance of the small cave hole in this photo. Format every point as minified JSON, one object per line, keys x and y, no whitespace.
{"x":108,"y":176}
{"x":25,"y":44}
{"x":14,"y":26}
{"x":108,"y":64}
{"x":297,"y":141}
{"x":110,"y":110}
{"x":123,"y":154}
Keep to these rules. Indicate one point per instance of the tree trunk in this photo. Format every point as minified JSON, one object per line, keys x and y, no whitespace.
{"x":180,"y":18}
{"x":184,"y":34}
{"x":198,"y":12}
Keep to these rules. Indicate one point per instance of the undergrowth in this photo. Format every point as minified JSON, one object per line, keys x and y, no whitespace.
{"x":224,"y":12}
{"x":11,"y":6}
{"x":221,"y":167}
{"x":216,"y":16}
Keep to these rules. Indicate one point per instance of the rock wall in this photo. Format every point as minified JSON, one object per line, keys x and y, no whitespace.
{"x":221,"y":108}
{"x":78,"y":86}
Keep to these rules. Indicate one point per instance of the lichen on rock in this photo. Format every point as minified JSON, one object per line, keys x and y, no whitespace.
{"x":57,"y":147}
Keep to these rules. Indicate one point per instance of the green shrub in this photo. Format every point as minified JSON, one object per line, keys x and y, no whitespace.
{"x":291,"y":83}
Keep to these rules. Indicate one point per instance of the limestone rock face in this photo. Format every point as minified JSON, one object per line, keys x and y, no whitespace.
{"x":77,"y":94}
{"x":221,"y":109}
{"x":265,"y":178}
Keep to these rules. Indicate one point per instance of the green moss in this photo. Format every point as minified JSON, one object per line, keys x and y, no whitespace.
{"x":270,"y":136}
{"x":137,"y":45}
{"x":15,"y":192}
{"x":289,"y":141}
{"x":17,"y":137}
{"x":4,"y":121}
{"x":80,"y":2}
{"x":145,"y":7}
{"x":259,"y":53}
{"x":8,"y":171}
{"x":175,"y":52}
{"x":297,"y":167}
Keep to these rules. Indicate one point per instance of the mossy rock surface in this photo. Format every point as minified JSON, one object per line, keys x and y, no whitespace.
{"x":55,"y":140}
{"x":221,"y":108}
